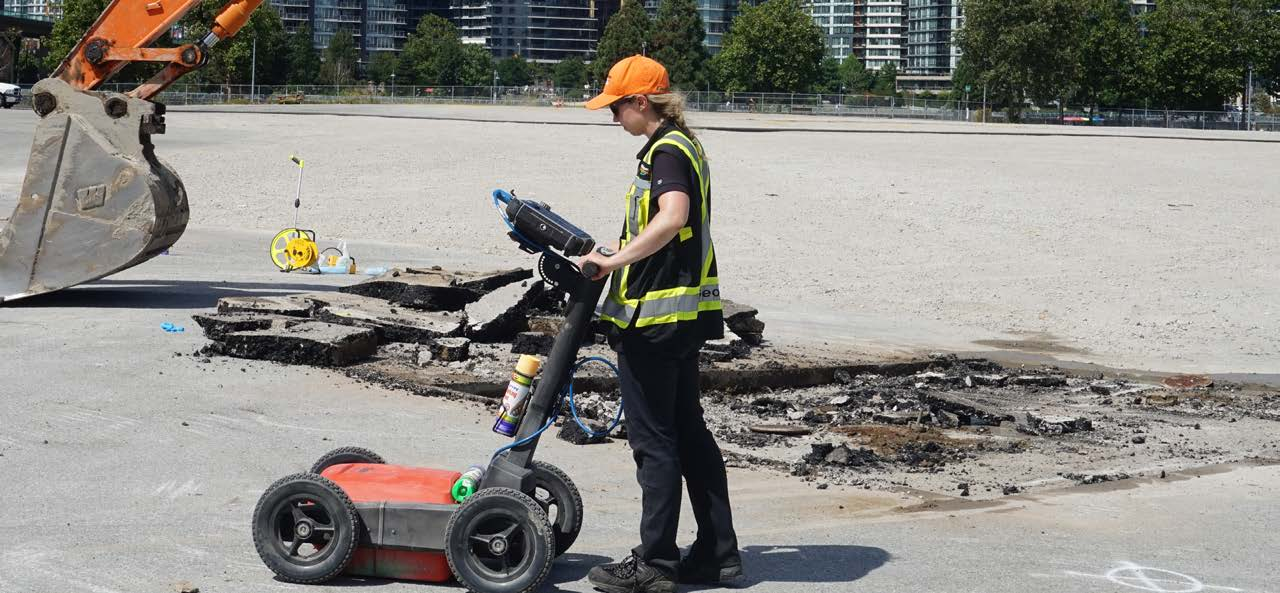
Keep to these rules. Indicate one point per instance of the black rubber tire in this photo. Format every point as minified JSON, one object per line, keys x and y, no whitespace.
{"x":345,"y":455}
{"x":492,"y":512}
{"x":324,"y":504}
{"x":563,"y":496}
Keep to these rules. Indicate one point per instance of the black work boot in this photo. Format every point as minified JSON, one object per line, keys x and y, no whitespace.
{"x":695,"y":570}
{"x":630,"y":576}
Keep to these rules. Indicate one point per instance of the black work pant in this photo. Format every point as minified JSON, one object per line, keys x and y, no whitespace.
{"x":669,"y":438}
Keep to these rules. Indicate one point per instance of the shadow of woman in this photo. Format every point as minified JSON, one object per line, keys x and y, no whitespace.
{"x":809,"y":564}
{"x":571,"y":568}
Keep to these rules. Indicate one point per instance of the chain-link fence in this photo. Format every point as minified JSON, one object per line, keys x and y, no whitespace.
{"x":716,"y":101}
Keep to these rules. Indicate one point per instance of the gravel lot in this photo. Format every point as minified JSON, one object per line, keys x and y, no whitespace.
{"x":1154,"y":253}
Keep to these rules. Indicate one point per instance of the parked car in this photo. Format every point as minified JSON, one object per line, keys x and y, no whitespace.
{"x":10,"y":94}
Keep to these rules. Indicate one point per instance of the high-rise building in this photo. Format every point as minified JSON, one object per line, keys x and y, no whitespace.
{"x":873,"y":31}
{"x":48,"y":8}
{"x":376,"y":25}
{"x":835,"y":18}
{"x":932,"y":54}
{"x":716,"y":16}
{"x":420,"y":8}
{"x":541,"y":31}
{"x":880,"y":33}
{"x":605,"y":9}
{"x":293,"y":13}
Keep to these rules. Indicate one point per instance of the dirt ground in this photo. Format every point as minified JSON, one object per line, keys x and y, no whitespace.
{"x":952,"y":428}
{"x":1148,"y":253}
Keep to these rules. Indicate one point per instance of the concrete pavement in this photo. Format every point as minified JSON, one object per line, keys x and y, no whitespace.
{"x":129,"y":465}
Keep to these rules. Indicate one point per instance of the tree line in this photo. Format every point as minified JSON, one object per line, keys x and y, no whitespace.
{"x":1186,"y":54}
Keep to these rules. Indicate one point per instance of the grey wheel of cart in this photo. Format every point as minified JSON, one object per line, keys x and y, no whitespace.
{"x":345,"y":455}
{"x":305,"y":528}
{"x":499,"y":541}
{"x":560,"y":499}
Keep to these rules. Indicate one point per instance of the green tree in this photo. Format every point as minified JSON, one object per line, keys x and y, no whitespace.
{"x":77,"y":17}
{"x":231,"y":62}
{"x":273,"y":45}
{"x":513,"y":71}
{"x":570,"y":74}
{"x":1023,"y":49}
{"x":677,"y":44}
{"x":828,"y":76}
{"x":1258,"y":23}
{"x":1193,"y":52}
{"x":477,"y":66}
{"x":435,"y":52}
{"x":886,"y":80}
{"x":382,"y":66}
{"x":855,"y":77}
{"x":302,"y":57}
{"x":626,"y":34}
{"x":30,"y":67}
{"x":1110,"y":72}
{"x":772,"y":47}
{"x":340,"y":59}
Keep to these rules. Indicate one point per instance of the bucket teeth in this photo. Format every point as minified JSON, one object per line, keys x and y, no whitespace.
{"x":95,"y":199}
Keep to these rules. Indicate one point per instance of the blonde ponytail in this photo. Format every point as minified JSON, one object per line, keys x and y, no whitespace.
{"x":671,"y":107}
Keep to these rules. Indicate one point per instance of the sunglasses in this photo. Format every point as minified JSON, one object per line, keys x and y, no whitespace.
{"x":619,"y":103}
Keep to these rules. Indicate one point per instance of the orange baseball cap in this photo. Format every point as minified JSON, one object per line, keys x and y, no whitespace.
{"x":636,"y":75}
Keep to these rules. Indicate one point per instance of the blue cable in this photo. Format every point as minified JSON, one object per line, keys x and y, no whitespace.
{"x":573,"y":409}
{"x":503,"y":197}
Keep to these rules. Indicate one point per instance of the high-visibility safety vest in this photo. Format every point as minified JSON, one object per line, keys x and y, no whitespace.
{"x":680,"y":279}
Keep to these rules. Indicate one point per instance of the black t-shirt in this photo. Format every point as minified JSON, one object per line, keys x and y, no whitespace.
{"x":672,"y":171}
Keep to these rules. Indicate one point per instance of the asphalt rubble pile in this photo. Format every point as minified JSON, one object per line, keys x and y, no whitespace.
{"x":964,"y":427}
{"x":444,"y":314}
{"x":970,"y":427}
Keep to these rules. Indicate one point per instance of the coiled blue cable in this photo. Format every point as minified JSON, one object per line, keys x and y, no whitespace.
{"x":573,"y":408}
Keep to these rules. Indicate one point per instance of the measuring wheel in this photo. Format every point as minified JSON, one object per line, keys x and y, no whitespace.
{"x":345,"y":455}
{"x":560,"y":499}
{"x":305,"y":528}
{"x":499,"y":541}
{"x":294,"y":249}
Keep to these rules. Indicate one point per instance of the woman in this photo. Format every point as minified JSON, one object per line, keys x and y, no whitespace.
{"x":664,"y":303}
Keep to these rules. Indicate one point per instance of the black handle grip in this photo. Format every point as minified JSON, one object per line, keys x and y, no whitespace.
{"x":590,"y":269}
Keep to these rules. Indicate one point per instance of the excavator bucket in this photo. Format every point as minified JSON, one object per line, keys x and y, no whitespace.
{"x":95,"y":199}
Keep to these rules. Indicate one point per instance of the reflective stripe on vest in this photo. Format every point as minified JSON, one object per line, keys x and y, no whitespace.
{"x":669,"y":304}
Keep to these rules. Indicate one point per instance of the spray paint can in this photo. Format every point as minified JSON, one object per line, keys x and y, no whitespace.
{"x":468,"y":483}
{"x":517,"y":396}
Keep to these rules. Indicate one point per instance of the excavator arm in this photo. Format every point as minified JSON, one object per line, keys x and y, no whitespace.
{"x":95,"y":199}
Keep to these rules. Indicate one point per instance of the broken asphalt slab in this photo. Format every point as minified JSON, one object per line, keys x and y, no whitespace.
{"x":501,"y":314}
{"x":217,"y":325}
{"x":435,"y":289}
{"x":741,"y":320}
{"x":288,"y":305}
{"x":394,"y":323}
{"x":311,"y":342}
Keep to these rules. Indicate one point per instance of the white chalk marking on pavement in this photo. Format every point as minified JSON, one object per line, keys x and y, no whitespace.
{"x":30,"y":561}
{"x":1155,"y":580}
{"x":172,"y":490}
{"x":225,"y":420}
{"x":263,"y":420}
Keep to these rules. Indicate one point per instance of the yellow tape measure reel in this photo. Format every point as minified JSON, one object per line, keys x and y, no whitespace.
{"x":294,"y":249}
